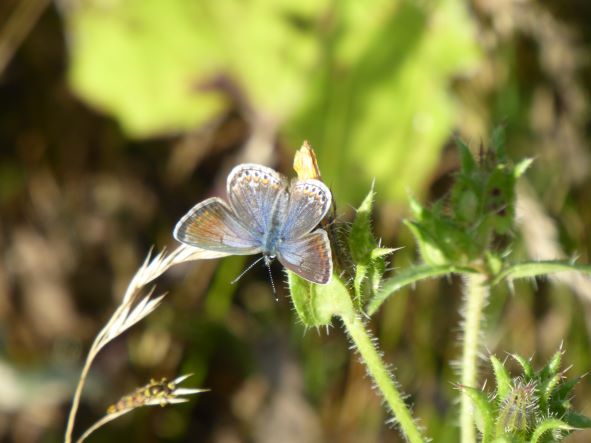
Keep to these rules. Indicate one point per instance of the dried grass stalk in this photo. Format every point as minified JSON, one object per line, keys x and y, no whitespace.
{"x":155,"y":393}
{"x":135,"y":305}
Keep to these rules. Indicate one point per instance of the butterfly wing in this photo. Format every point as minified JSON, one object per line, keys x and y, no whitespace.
{"x":309,"y":201}
{"x":254,"y":191}
{"x":211,"y":225}
{"x":309,"y":256}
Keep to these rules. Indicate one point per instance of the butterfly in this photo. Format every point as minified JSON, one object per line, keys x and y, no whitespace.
{"x":265,"y":214}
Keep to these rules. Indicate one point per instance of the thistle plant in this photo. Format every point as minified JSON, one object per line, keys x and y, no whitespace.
{"x":533,"y":407}
{"x":470,"y":233}
{"x":316,"y":305}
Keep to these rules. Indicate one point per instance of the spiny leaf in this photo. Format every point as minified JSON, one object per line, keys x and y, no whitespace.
{"x":382,"y":252}
{"x":563,"y":391}
{"x":360,"y":276}
{"x":539,"y":268}
{"x":551,"y":424}
{"x":497,"y":141}
{"x":528,"y":371}
{"x":577,"y":420}
{"x":416,"y":208}
{"x":366,"y":253}
{"x":361,"y":239}
{"x":547,"y":388}
{"x":410,"y":276}
{"x":553,"y":365}
{"x":431,"y":253}
{"x":502,"y":378}
{"x":483,"y":412}
{"x":468,"y":165}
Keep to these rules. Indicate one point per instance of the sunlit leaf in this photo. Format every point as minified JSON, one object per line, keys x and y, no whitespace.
{"x":317,"y":304}
{"x":379,"y":104}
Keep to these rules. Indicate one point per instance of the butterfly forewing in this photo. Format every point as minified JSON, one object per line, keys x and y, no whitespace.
{"x":253,"y":190}
{"x":211,"y":225}
{"x":309,"y":201}
{"x":309,"y":257}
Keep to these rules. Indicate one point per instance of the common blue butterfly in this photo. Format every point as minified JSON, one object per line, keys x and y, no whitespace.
{"x":265,"y":214}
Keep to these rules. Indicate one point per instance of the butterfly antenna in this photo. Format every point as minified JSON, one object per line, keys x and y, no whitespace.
{"x":247,"y":269}
{"x":268,"y":265}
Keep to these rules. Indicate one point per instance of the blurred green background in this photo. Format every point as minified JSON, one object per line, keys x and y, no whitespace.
{"x":117,"y":116}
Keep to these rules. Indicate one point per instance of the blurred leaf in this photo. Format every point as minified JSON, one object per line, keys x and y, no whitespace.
{"x":146,"y":62}
{"x":158,"y":65}
{"x":577,"y":420}
{"x":219,"y":296}
{"x":522,"y":166}
{"x":539,"y":268}
{"x":379,"y":105}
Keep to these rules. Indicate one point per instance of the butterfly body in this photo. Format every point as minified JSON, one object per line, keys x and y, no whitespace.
{"x":265,"y":214}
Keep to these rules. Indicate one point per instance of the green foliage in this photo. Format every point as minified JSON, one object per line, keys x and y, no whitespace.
{"x":533,"y":407}
{"x":480,"y":212}
{"x":410,"y":276}
{"x":317,"y":304}
{"x":471,"y":231}
{"x":347,"y":76}
{"x":367,"y":254}
{"x":157,"y":65}
{"x":378,"y":104}
{"x":532,"y":269}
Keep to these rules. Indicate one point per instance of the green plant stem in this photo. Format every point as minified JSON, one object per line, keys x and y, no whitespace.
{"x":476,"y":294}
{"x":383,"y":378}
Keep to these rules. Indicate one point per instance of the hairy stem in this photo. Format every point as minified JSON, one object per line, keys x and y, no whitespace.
{"x":475,"y":296}
{"x":383,"y":378}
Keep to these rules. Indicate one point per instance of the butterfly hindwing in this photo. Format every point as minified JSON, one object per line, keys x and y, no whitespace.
{"x":308,"y":256}
{"x":211,"y":225}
